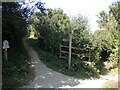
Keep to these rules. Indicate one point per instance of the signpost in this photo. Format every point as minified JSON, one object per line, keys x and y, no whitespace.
{"x":70,"y":45}
{"x":5,"y":47}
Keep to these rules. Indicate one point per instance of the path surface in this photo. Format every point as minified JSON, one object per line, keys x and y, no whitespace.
{"x":47,"y":78}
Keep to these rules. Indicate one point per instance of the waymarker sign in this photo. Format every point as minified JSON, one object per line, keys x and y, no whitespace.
{"x":5,"y":47}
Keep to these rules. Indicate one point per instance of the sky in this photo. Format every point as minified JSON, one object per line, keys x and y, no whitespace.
{"x":89,"y":8}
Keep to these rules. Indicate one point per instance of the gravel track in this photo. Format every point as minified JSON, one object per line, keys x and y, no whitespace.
{"x":47,"y":78}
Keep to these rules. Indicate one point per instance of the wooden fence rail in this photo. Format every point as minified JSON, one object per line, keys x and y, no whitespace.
{"x":66,"y":52}
{"x":73,"y":48}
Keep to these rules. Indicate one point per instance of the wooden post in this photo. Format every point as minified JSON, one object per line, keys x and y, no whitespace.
{"x":70,"y":45}
{"x":5,"y":53}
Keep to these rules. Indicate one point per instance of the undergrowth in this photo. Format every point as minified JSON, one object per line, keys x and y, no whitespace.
{"x":16,"y":69}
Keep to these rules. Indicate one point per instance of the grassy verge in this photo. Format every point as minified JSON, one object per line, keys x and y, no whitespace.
{"x":111,"y":84}
{"x":15,"y":71}
{"x":113,"y":72}
{"x":79,"y":69}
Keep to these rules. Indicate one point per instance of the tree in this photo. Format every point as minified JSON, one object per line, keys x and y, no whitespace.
{"x":50,"y":26}
{"x":106,"y":19}
{"x":14,"y":19}
{"x":80,"y":28}
{"x":81,"y":31}
{"x":107,"y":39}
{"x":115,"y":12}
{"x":13,"y":23}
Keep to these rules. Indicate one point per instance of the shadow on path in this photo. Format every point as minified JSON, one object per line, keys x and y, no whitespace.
{"x":45,"y":77}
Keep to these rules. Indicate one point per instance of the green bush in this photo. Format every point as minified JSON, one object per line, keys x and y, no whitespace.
{"x":112,"y":60}
{"x":85,"y":69}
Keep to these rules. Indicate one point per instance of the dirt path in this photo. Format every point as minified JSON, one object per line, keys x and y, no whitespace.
{"x":47,"y":78}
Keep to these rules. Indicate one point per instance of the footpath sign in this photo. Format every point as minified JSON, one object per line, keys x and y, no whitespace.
{"x":5,"y":47}
{"x":65,"y":40}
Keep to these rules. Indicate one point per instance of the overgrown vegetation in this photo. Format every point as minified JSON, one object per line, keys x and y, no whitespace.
{"x":16,"y":69}
{"x":108,"y":37}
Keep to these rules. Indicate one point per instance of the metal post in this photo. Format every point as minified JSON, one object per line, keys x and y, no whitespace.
{"x":70,"y":45}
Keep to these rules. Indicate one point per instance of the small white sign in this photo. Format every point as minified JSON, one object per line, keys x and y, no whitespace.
{"x":5,"y":44}
{"x":65,"y":39}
